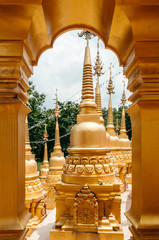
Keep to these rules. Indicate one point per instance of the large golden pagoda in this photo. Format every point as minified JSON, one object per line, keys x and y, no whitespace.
{"x":56,"y":163}
{"x":88,"y":198}
{"x":98,"y":72}
{"x":44,"y":168}
{"x":35,"y":196}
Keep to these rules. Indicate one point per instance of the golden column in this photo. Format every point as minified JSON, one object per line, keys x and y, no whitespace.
{"x":35,"y":196}
{"x":88,"y":197}
{"x":14,"y":70}
{"x":98,"y":71}
{"x":44,"y":168}
{"x":143,"y":73}
{"x":114,"y":141}
{"x":56,"y":163}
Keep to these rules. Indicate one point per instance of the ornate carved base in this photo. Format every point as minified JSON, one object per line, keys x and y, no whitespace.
{"x":50,"y":200}
{"x":91,"y":209}
{"x":63,"y":235}
{"x":121,"y":161}
{"x":37,"y":206}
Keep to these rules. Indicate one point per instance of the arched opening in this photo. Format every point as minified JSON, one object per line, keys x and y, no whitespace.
{"x":61,"y":68}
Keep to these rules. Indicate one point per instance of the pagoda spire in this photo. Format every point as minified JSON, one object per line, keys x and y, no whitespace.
{"x":57,"y":146}
{"x":45,"y":160}
{"x":123,"y":126}
{"x":117,"y":126}
{"x":44,"y":168}
{"x":56,"y":162}
{"x":110,"y":124}
{"x":87,"y":105}
{"x":98,"y":72}
{"x":28,"y":153}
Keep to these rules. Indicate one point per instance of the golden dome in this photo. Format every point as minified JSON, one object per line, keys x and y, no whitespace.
{"x":30,"y":168}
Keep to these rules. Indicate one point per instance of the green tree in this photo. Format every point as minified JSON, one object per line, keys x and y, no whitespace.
{"x":37,"y":116}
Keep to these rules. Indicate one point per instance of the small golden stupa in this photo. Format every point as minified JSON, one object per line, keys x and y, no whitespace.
{"x":35,"y":196}
{"x":115,"y":157}
{"x":98,"y":72}
{"x":56,"y":163}
{"x":88,"y":197}
{"x":114,"y":140}
{"x":124,"y":142}
{"x":44,"y":168}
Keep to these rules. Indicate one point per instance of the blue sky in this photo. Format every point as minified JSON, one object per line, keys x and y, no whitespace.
{"x":61,"y":68}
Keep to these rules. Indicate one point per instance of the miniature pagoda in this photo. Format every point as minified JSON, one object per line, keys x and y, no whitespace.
{"x":56,"y":163}
{"x":35,"y":196}
{"x":124,"y":142}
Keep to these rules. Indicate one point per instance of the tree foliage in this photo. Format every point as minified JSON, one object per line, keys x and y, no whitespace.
{"x":38,"y":114}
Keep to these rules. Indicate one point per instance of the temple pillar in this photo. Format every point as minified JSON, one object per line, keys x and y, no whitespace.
{"x":14,"y":72}
{"x":142,"y":70}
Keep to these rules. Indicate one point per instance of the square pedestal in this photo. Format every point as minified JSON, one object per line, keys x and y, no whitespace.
{"x":56,"y":234}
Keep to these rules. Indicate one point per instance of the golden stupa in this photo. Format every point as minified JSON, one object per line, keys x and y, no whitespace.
{"x":56,"y":163}
{"x":88,"y":197}
{"x":115,"y":155}
{"x":98,"y":72}
{"x":114,"y":140}
{"x":35,"y":196}
{"x":124,"y":142}
{"x":44,"y":168}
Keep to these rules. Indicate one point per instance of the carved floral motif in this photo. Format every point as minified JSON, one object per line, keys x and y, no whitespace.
{"x":89,"y":169}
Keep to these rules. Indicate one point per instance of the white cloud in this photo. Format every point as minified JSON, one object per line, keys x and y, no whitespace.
{"x":61,"y":68}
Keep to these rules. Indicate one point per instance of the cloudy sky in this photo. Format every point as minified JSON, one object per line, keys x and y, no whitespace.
{"x":61,"y":68}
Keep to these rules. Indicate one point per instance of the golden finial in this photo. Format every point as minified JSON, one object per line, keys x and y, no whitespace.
{"x":110,"y":87}
{"x":123,"y":99}
{"x":86,"y":35}
{"x":98,"y":64}
{"x":57,"y":111}
{"x":45,"y":133}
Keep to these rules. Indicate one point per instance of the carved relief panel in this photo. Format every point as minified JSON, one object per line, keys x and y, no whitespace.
{"x":85,"y":211}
